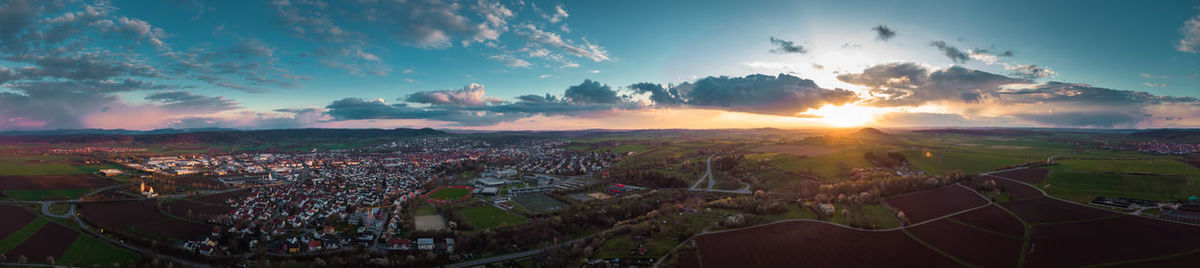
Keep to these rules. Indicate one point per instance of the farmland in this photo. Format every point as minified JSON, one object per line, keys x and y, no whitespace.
{"x":50,"y":241}
{"x":816,"y":244}
{"x":929,"y":204}
{"x":141,"y":218}
{"x":1046,"y":210}
{"x":970,"y":245}
{"x":86,"y":250}
{"x":994,"y":219}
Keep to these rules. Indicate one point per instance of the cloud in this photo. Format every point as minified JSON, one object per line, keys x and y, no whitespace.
{"x":951,"y":52}
{"x":978,"y":94}
{"x":470,"y":106}
{"x":1155,"y":84}
{"x":591,"y":92}
{"x":187,"y":102}
{"x":987,"y":56}
{"x":658,"y":94}
{"x":777,"y":95}
{"x":510,"y":61}
{"x":883,"y":33}
{"x":911,"y":84}
{"x":1153,"y":76}
{"x":540,"y":37}
{"x":470,"y":95}
{"x":1030,"y":71}
{"x":1190,"y":42}
{"x":1105,"y":119}
{"x":558,"y":14}
{"x":784,"y":47}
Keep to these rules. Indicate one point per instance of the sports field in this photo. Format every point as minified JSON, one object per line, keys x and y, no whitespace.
{"x":487,"y":217}
{"x":449,"y":193}
{"x":539,"y":203}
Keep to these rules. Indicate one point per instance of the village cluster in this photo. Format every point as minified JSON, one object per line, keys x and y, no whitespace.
{"x":321,"y":201}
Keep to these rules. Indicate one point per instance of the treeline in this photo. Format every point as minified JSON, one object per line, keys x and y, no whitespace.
{"x":889,"y":159}
{"x":652,"y":178}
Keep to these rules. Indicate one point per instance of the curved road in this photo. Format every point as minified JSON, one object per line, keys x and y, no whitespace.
{"x":712,"y":182}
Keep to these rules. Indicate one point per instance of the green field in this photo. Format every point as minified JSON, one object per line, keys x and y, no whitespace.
{"x":87,"y":250}
{"x":37,"y":195}
{"x":1159,"y":166}
{"x":1083,"y":180}
{"x":487,"y":217}
{"x":18,"y":237}
{"x":828,"y":167}
{"x":448,"y":193}
{"x":539,"y":203}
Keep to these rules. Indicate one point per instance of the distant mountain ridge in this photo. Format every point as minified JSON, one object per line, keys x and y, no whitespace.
{"x":98,"y":131}
{"x":209,"y":135}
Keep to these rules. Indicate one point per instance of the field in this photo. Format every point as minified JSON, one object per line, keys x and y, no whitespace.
{"x":49,"y":187}
{"x":539,"y":203}
{"x":23,"y":233}
{"x":992,"y":218}
{"x":970,"y":245}
{"x":1046,"y":210}
{"x":51,"y":241}
{"x":37,"y":195}
{"x":141,"y":218}
{"x":449,"y":194}
{"x":50,"y":182}
{"x":1015,"y":190}
{"x":87,"y":250}
{"x":797,"y":150}
{"x":429,"y":222}
{"x":814,"y":244}
{"x":929,"y":204}
{"x":1026,"y":175}
{"x":487,"y":217}
{"x":829,"y":167}
{"x":14,"y":219}
{"x":1111,"y":240}
{"x":26,"y":231}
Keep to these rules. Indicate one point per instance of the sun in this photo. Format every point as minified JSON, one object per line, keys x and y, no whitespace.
{"x":848,"y":115}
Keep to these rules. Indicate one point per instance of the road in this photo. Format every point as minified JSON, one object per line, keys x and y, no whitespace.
{"x":84,"y":227}
{"x":712,"y":182}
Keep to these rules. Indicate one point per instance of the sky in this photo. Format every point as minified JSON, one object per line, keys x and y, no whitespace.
{"x":548,"y":65}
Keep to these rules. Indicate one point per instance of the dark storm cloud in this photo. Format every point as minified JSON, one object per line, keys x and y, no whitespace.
{"x":951,"y":52}
{"x":186,"y":101}
{"x":784,"y":47}
{"x":658,"y":94}
{"x":883,"y":33}
{"x":591,"y":92}
{"x":779,"y":95}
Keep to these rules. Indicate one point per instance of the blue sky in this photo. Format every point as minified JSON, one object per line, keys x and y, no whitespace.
{"x":310,"y":63}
